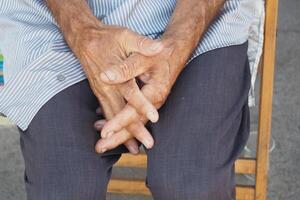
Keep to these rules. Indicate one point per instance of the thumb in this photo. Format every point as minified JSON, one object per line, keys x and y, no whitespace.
{"x":141,"y":44}
{"x":130,"y":68}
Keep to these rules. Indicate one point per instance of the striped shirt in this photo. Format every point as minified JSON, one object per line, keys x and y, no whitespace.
{"x":38,"y":63}
{"x":1,"y":70}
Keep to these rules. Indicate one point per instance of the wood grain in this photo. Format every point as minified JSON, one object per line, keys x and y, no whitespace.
{"x":266,"y":94}
{"x":242,"y":166}
{"x":134,"y":187}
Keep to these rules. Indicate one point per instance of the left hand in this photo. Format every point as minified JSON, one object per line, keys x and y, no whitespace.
{"x":157,"y":73}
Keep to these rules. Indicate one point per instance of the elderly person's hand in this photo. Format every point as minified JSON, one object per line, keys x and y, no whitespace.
{"x":120,"y":55}
{"x":157,"y":74}
{"x":98,"y":46}
{"x":101,"y":47}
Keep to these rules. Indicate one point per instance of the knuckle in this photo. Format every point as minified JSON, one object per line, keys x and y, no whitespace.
{"x":138,"y":134}
{"x":126,"y":69}
{"x":104,"y":92}
{"x":90,"y":44}
{"x":105,"y":89}
{"x":130,"y":93}
{"x":96,"y":79}
{"x":115,"y":141}
{"x":136,"y":60}
{"x":162,"y":93}
{"x":164,"y":90}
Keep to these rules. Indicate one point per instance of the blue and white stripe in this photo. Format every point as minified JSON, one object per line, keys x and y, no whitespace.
{"x":39,"y":64}
{"x":1,"y":70}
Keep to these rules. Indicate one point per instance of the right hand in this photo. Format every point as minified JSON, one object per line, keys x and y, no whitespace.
{"x":98,"y":48}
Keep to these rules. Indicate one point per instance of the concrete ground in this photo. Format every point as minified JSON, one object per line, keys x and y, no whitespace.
{"x":284,"y":176}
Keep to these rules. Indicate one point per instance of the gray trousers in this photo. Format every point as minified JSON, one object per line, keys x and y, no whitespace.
{"x":203,"y":127}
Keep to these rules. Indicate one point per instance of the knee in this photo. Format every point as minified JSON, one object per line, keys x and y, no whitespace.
{"x":67,"y":188}
{"x":174,"y":189}
{"x":184,"y":186}
{"x":65,"y":181}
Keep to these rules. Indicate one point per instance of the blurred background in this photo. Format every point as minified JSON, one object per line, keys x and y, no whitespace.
{"x":284,"y":174}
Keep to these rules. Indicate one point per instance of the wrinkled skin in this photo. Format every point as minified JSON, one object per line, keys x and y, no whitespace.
{"x":114,"y":58}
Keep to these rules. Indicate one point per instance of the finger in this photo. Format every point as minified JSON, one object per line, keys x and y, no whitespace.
{"x":155,"y":94}
{"x":106,"y":107}
{"x":132,"y":146}
{"x":134,"y":42}
{"x":132,"y":93}
{"x":105,"y":144}
{"x":130,"y":68}
{"x":129,"y":115}
{"x":140,"y":132}
{"x":145,"y":77}
{"x":121,"y":120}
{"x":99,"y":124}
{"x":99,"y":111}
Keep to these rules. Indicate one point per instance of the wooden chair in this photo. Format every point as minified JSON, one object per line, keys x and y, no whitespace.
{"x":256,"y":166}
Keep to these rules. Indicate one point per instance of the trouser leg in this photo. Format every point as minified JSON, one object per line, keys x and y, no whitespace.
{"x":203,"y":127}
{"x":58,"y":149}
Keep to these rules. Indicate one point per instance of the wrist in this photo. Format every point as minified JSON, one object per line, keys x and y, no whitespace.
{"x":176,"y":56}
{"x":77,"y":27}
{"x":181,"y":49}
{"x":72,"y":17}
{"x":78,"y":33}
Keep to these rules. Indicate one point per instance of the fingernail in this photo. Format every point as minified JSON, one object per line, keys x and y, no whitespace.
{"x":152,"y":116}
{"x":99,"y":111}
{"x":133,"y":149}
{"x":148,"y":143}
{"x":99,"y":124}
{"x":98,"y":128}
{"x":155,"y":46}
{"x":108,"y":76}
